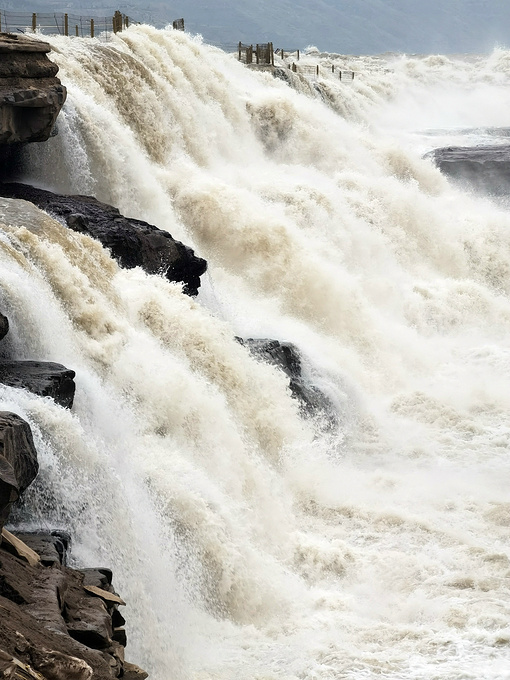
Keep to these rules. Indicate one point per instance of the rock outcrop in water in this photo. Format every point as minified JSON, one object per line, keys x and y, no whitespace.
{"x":133,"y":243}
{"x":285,"y":356}
{"x":45,"y":378}
{"x":31,"y":95}
{"x":483,"y":168}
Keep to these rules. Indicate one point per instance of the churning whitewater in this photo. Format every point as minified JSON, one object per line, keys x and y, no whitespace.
{"x":251,"y":543}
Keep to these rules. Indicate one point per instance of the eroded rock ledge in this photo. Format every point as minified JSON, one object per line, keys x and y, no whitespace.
{"x":44,"y":378}
{"x":133,"y":243}
{"x":31,"y":95}
{"x":58,"y":623}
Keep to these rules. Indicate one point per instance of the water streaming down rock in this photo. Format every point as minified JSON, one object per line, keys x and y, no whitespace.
{"x":248,"y":543}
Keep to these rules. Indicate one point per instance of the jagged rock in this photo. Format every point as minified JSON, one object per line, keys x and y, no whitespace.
{"x":483,"y":168}
{"x":30,"y":95}
{"x":51,"y":624}
{"x":133,"y":243}
{"x":51,"y":547}
{"x":44,"y":378}
{"x":4,"y":326}
{"x":18,"y":460}
{"x":100,"y":577}
{"x":286,"y":356}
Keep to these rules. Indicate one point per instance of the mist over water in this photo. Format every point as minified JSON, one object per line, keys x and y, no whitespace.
{"x":248,"y":542}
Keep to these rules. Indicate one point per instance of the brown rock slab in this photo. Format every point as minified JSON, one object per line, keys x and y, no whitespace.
{"x":31,"y":96}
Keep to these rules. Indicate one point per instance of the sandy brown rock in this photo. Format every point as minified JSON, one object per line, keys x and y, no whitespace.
{"x":31,"y":96}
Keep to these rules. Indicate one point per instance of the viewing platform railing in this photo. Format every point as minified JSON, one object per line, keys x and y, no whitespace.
{"x":62,"y":23}
{"x":263,"y":54}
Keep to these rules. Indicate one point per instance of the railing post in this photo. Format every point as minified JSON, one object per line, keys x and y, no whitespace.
{"x":76,"y":28}
{"x":34,"y":22}
{"x":340,"y":75}
{"x":317,"y":69}
{"x":66,"y":24}
{"x":117,"y":21}
{"x":126,"y":21}
{"x":92,"y":28}
{"x":298,"y":55}
{"x":272,"y":54}
{"x":239,"y":47}
{"x":257,"y":53}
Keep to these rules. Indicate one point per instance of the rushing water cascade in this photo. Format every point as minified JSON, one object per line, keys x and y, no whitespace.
{"x":248,"y":542}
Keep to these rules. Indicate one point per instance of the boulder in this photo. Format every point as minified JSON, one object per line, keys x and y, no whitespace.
{"x":485,"y":169}
{"x":18,"y":460}
{"x":133,"y":243}
{"x":31,"y":96}
{"x":286,"y":357}
{"x":44,"y":378}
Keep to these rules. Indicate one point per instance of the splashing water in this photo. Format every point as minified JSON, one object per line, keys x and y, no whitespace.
{"x":247,"y":542}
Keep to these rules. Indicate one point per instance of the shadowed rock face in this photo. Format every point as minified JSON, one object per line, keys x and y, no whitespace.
{"x":286,"y":357}
{"x":18,"y":460}
{"x":53,"y":623}
{"x":30,"y":94}
{"x":45,"y":378}
{"x":483,"y":168}
{"x":133,"y":243}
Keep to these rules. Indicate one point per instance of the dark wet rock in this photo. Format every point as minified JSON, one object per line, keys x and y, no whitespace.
{"x":44,"y":378}
{"x":52,"y":547}
{"x":31,"y":96}
{"x":286,"y":357}
{"x":18,"y":460}
{"x":51,"y":625}
{"x":100,"y":577}
{"x":133,"y":243}
{"x":4,"y":326}
{"x":483,"y":168}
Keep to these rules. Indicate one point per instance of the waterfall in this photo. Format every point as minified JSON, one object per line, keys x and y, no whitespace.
{"x":248,"y":541}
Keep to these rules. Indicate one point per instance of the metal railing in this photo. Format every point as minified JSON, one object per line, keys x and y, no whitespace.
{"x":311,"y":70}
{"x":61,"y":23}
{"x":263,"y":53}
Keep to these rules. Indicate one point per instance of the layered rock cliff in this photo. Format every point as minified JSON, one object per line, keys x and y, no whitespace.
{"x":31,"y":95}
